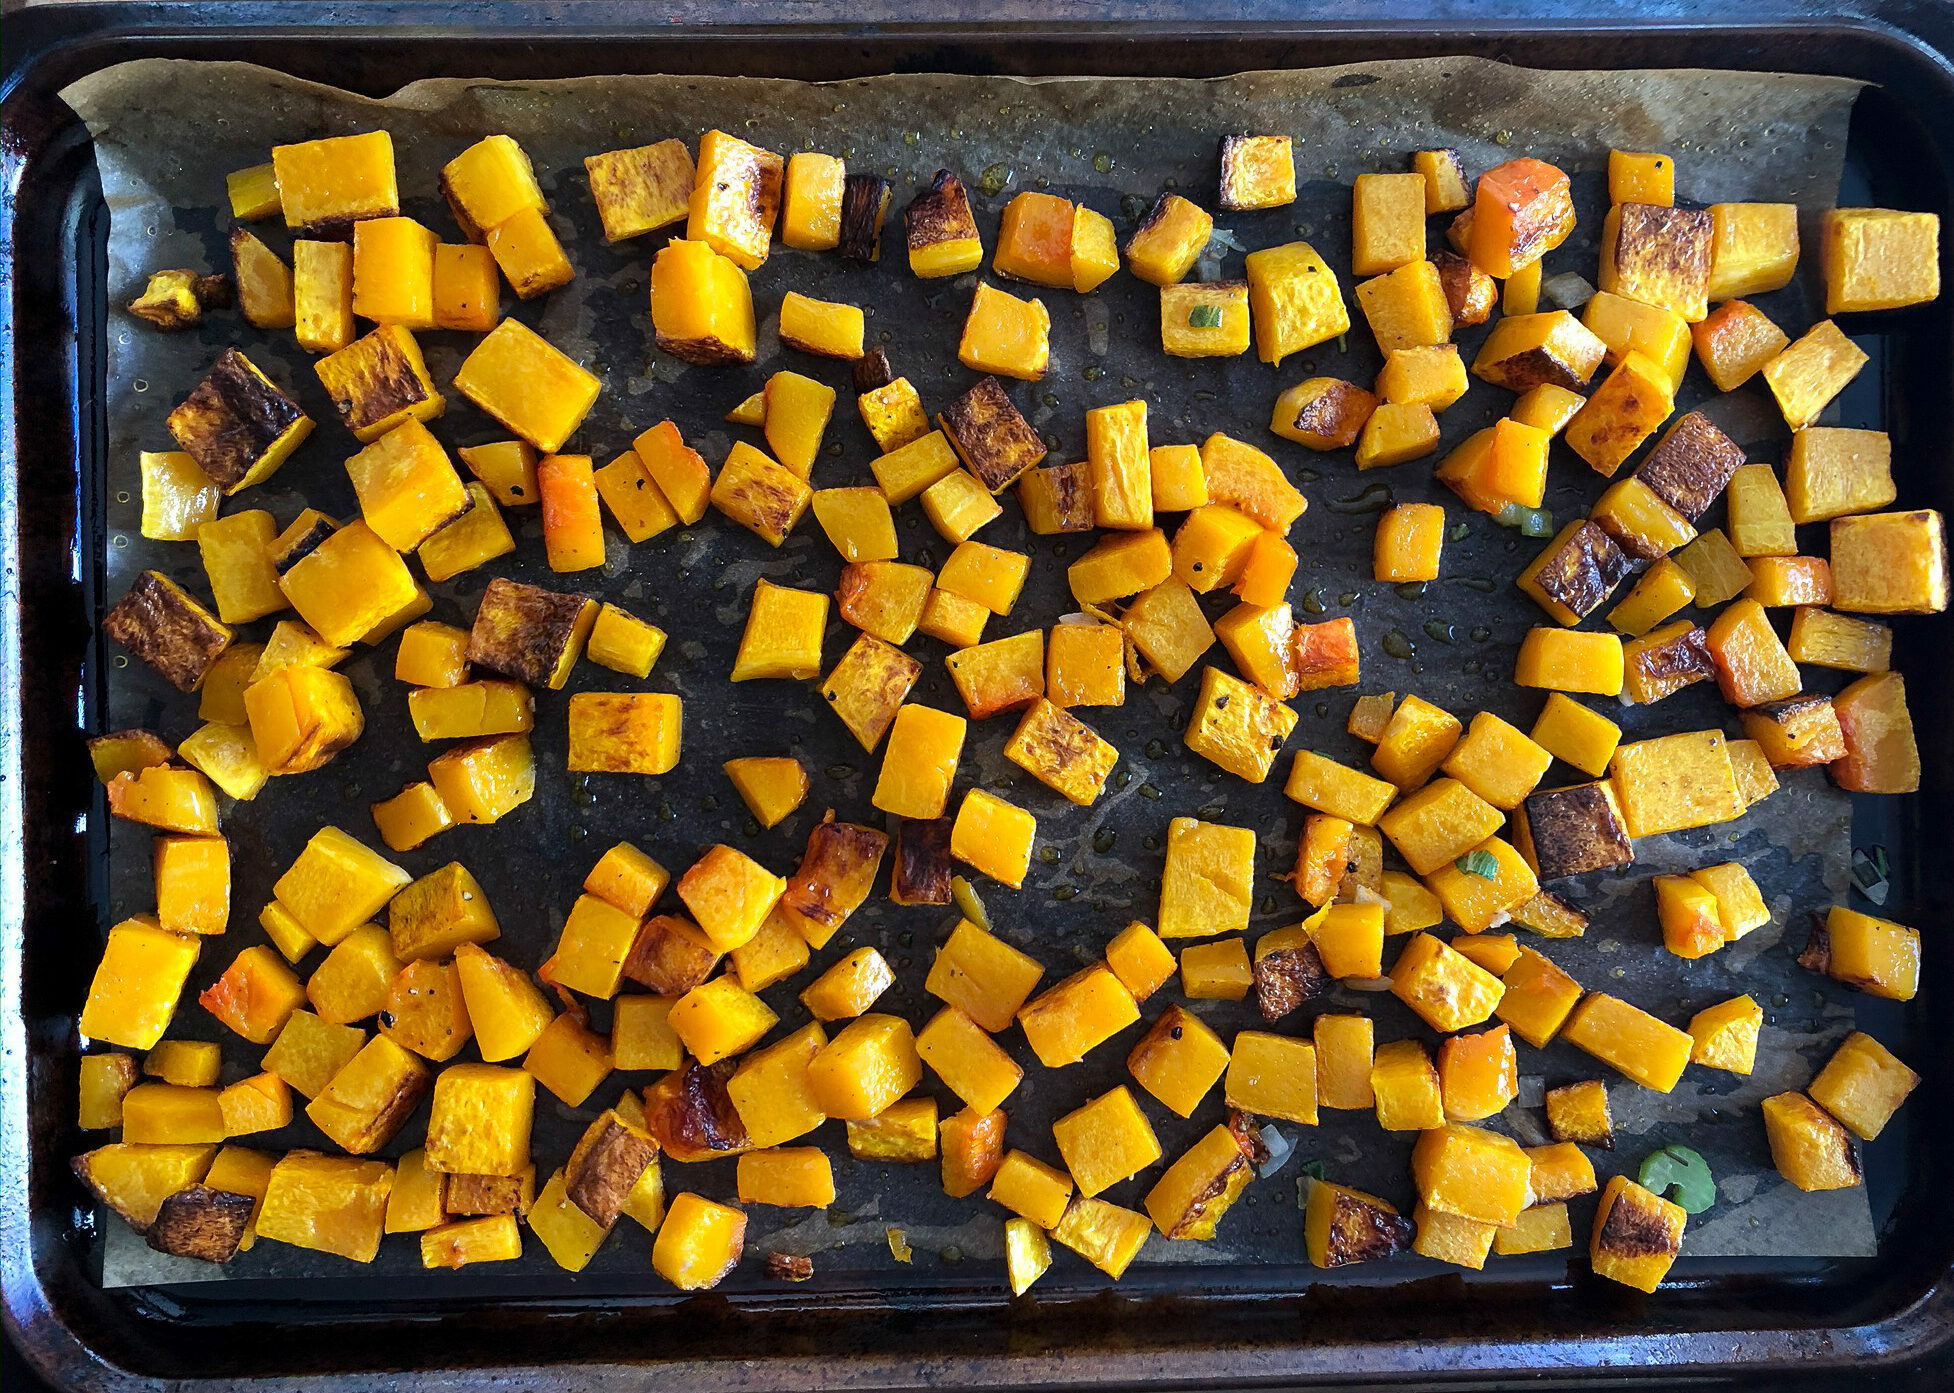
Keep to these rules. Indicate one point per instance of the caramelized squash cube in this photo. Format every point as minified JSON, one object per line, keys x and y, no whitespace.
{"x":1636,"y":1236}
{"x":1522,"y":209}
{"x":1725,"y":1035}
{"x":1525,"y":351}
{"x":1061,"y":752}
{"x":1163,"y":249}
{"x":1447,"y":990}
{"x":1808,"y":1147}
{"x":1324,"y":413}
{"x":1343,"y":1226}
{"x":1257,"y":171}
{"x":1406,"y":308}
{"x":1863,"y":1085}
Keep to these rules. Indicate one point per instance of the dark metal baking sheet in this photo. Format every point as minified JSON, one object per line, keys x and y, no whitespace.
{"x":1726,"y":1299}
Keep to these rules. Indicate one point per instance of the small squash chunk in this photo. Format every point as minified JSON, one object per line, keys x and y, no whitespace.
{"x":1525,"y":351}
{"x":864,"y":206}
{"x":1797,"y":733}
{"x":1480,"y":890}
{"x":256,"y":995}
{"x":1207,"y":886}
{"x":701,"y":305}
{"x":1876,"y":955}
{"x":1414,"y":744}
{"x":1831,"y":472}
{"x":1734,"y":343}
{"x":1162,"y":250}
{"x":971,"y":1064}
{"x":371,"y":1096}
{"x":1343,"y":1226}
{"x":1537,"y":998}
{"x":982,"y":975}
{"x":1405,"y":1087}
{"x":1808,"y":1147}
{"x":528,"y":384}
{"x":811,"y":206}
{"x":1752,"y":666}
{"x":1659,"y":255}
{"x":1085,"y":665}
{"x":1639,"y":176}
{"x":920,"y":762}
{"x":1445,"y":183}
{"x":528,"y":633}
{"x":1408,"y":542}
{"x":835,"y":877}
{"x":1447,"y":990}
{"x":1890,"y":563}
{"x":866,"y":1067}
{"x":1754,"y":248}
{"x":175,"y":800}
{"x":1471,"y":1172}
{"x":1106,"y":1141}
{"x":1031,"y":1188}
{"x":972,"y":1147}
{"x":467,"y":288}
{"x":761,"y":495}
{"x":1387,"y":222}
{"x":1522,"y":209}
{"x":1061,"y":752}
{"x":1273,"y":1076}
{"x":893,"y":414}
{"x":177,"y":496}
{"x":1324,"y":413}
{"x":1257,"y":171}
{"x":941,"y":231}
{"x":308,"y":1052}
{"x":1578,"y":1112}
{"x":1287,"y":970}
{"x":858,"y":522}
{"x":1237,"y":726}
{"x":1432,"y":376}
{"x":700,"y":1241}
{"x":868,"y":686}
{"x":161,"y":624}
{"x":1005,"y":335}
{"x":771,"y":786}
{"x":1863,"y":1085}
{"x":1323,"y":784}
{"x":797,"y":412}
{"x":1663,"y":589}
{"x":1637,"y":1235}
{"x":994,"y":836}
{"x":425,"y":1011}
{"x":1675,"y":781}
{"x":393,"y":272}
{"x":642,"y":189}
{"x":883,"y":598}
{"x":821,"y":327}
{"x":1625,"y":410}
{"x":407,"y":487}
{"x":958,"y":506}
{"x":1261,"y":641}
{"x":771,"y":1092}
{"x":1725,"y":1035}
{"x":1068,"y":1020}
{"x":1645,"y":1049}
{"x":324,"y":186}
{"x":735,"y":198}
{"x":1881,"y":752}
{"x":1572,"y":830}
{"x":1105,"y":1235}
{"x":1439,"y":823}
{"x":1497,"y":761}
{"x":1204,"y":320}
{"x":1095,"y":251}
{"x":263,"y":282}
{"x":1879,"y":258}
{"x":1406,"y":308}
{"x":1035,"y":240}
{"x":434,"y":915}
{"x":1806,"y":376}
{"x":1190,"y":1198}
{"x":1295,"y":300}
{"x":330,"y":1204}
{"x":986,"y":431}
{"x":1120,"y":565}
{"x":1575,"y":573}
{"x":136,"y":985}
{"x":782,"y":639}
{"x":1211,"y":547}
{"x":1396,"y":433}
{"x":1566,"y":660}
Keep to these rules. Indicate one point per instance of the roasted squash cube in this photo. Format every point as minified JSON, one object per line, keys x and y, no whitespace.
{"x":1343,"y":1226}
{"x":1725,"y":1035}
{"x":1061,"y":752}
{"x":971,"y":1064}
{"x":700,"y":1241}
{"x":1863,"y":1085}
{"x":1066,"y":1021}
{"x":1573,"y":830}
{"x":1879,"y":258}
{"x":1806,"y":376}
{"x":1324,"y":413}
{"x":1659,"y":255}
{"x":325,"y":186}
{"x":1890,"y":563}
{"x":1034,"y":240}
{"x":1003,"y":334}
{"x":1406,"y":308}
{"x":1295,"y":300}
{"x":1636,"y":1236}
{"x":1095,"y":252}
{"x":1207,"y":319}
{"x":330,"y":1204}
{"x":1163,"y":248}
{"x":425,"y":1011}
{"x":1522,"y":209}
{"x":1576,"y":572}
{"x":1446,"y":989}
{"x":1257,"y":171}
{"x":529,"y":385}
{"x":1735,"y":342}
{"x":1808,"y":1147}
{"x":941,"y":231}
{"x":1524,"y":351}
{"x":793,"y":1176}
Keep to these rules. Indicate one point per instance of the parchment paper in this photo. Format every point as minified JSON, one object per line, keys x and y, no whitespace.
{"x":166,"y":132}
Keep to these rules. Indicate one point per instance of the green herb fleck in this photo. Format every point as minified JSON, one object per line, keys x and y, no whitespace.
{"x":1313,"y":1169}
{"x":1479,"y":862}
{"x":1682,"y":1175}
{"x":1204,"y":317}
{"x":967,"y":903}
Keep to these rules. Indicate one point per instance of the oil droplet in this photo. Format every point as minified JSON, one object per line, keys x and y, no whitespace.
{"x":121,"y":541}
{"x":1151,"y":843}
{"x":910,"y":137}
{"x":1473,"y":667}
{"x":1375,"y":498}
{"x":1309,"y":475}
{"x":122,"y":496}
{"x":1149,"y":791}
{"x":1102,"y":162}
{"x":1480,"y":633}
{"x":1397,"y":645}
{"x":1093,"y":372}
{"x":1479,"y":583}
{"x":839,"y":772}
{"x":1048,"y":854}
{"x":141,"y":386}
{"x":752,"y":828}
{"x":1065,"y":892}
{"x":994,"y":179}
{"x":1104,"y":839}
{"x":1347,"y":598}
{"x":1312,"y":601}
{"x":1156,"y":749}
{"x":1121,"y":778}
{"x":1134,"y":207}
{"x":1410,"y":589}
{"x":1440,"y":630}
{"x":578,"y":832}
{"x":1322,"y":709}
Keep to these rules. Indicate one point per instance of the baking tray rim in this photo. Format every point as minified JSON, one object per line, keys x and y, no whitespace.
{"x":71,"y":39}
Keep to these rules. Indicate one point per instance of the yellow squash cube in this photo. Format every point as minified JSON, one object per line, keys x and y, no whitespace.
{"x":1879,"y":258}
